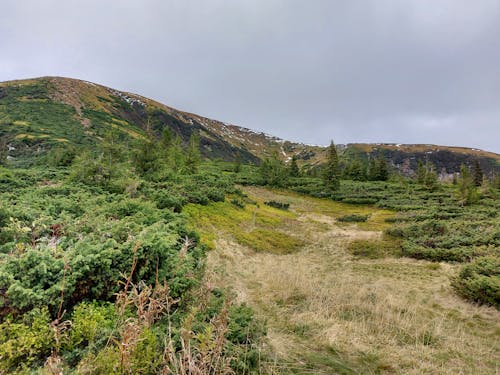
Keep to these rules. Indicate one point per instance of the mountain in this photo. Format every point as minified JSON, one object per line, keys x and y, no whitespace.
{"x":37,"y":114}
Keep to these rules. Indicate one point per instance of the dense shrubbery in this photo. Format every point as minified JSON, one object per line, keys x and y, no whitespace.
{"x":479,"y":281}
{"x":68,"y":240}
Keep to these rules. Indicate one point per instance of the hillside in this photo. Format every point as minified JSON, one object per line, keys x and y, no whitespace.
{"x":37,"y":114}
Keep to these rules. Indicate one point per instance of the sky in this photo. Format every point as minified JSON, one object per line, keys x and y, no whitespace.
{"x":393,"y":71}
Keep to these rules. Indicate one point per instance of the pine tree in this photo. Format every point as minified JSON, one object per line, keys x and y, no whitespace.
{"x":146,"y":157}
{"x":466,"y":189}
{"x":477,"y":173}
{"x":356,"y":170}
{"x":237,"y":163}
{"x":193,"y":156}
{"x":294,"y":168}
{"x":421,"y":172}
{"x":372,"y":169}
{"x":383,"y":170}
{"x":331,"y":175}
{"x":273,"y":171}
{"x":431,"y":178}
{"x":176,"y":155}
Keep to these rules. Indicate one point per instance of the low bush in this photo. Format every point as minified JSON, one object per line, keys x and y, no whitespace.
{"x":278,"y":205}
{"x":479,"y":281}
{"x":353,"y":218}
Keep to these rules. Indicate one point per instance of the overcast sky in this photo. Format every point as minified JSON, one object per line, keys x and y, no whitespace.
{"x":403,"y":71}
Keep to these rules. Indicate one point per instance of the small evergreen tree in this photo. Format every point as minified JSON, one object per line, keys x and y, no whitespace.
{"x":273,"y":171}
{"x":372,"y":169}
{"x":166,"y":138}
{"x":331,"y":174}
{"x":431,"y":178}
{"x":237,"y":163}
{"x":193,"y":156}
{"x":421,"y":172}
{"x":356,"y":170}
{"x":294,"y":168}
{"x":382,"y":169}
{"x":466,"y":189}
{"x":146,"y":159}
{"x":176,"y":154}
{"x":477,"y":173}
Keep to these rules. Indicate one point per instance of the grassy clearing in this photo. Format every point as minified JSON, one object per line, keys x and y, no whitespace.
{"x":332,"y":308}
{"x":255,"y":225}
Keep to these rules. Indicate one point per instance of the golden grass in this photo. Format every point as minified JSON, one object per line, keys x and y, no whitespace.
{"x":331,"y":312}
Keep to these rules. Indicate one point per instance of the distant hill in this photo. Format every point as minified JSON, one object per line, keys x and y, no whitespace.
{"x":37,"y":114}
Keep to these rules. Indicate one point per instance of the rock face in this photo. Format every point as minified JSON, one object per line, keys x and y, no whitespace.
{"x":37,"y":114}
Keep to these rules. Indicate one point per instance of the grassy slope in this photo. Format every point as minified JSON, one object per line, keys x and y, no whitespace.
{"x":331,"y":312}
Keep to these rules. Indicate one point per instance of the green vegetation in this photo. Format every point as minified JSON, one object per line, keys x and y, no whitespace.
{"x":436,"y":221}
{"x":108,"y":210}
{"x":100,"y":274}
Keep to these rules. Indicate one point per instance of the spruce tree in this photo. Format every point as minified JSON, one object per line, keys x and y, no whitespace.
{"x":273,"y":171}
{"x":383,"y":170}
{"x":357,"y":170}
{"x":294,"y":168}
{"x":237,"y":163}
{"x":372,"y":169}
{"x":176,"y":154}
{"x":477,"y":173}
{"x":193,"y":156}
{"x":421,"y":172}
{"x":466,"y":189}
{"x":331,"y":175}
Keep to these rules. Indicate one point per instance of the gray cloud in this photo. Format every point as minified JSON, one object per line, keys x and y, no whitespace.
{"x":414,"y":71}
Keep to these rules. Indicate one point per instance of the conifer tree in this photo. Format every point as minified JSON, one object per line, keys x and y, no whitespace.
{"x":357,"y":170}
{"x":167,"y":138}
{"x":477,"y":173}
{"x":431,"y":178}
{"x":146,"y":157}
{"x":193,"y":156}
{"x":421,"y":172}
{"x":466,"y":189}
{"x":176,"y":154}
{"x":383,"y":170}
{"x":294,"y":168}
{"x":237,"y":163}
{"x":331,"y":175}
{"x":372,"y":169}
{"x":273,"y":171}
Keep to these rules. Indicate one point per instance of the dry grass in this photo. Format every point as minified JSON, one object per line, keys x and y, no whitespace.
{"x":330,"y":312}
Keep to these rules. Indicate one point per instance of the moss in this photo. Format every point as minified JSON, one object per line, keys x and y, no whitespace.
{"x":269,"y":240}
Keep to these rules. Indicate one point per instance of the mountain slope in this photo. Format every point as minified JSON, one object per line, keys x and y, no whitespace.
{"x":36,"y":114}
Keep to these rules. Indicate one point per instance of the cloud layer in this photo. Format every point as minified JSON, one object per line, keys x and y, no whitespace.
{"x":413,"y":71}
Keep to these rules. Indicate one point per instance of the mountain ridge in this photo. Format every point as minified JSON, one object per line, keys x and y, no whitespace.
{"x":96,"y":107}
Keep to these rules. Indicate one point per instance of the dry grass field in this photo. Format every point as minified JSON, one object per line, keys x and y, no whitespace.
{"x":329,"y":311}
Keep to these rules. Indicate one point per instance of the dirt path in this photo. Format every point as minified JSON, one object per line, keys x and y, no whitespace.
{"x":328,"y":312}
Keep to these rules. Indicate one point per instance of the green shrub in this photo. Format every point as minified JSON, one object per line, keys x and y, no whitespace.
{"x":354,"y":218}
{"x":373,"y":249}
{"x":278,"y":205}
{"x":27,"y":342}
{"x":479,"y":281}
